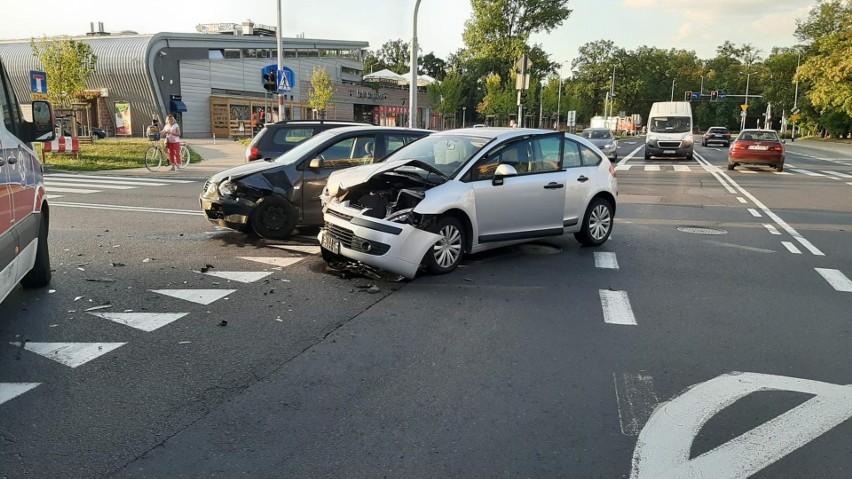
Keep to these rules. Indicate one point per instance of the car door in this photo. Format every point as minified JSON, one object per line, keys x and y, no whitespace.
{"x":346,"y":152}
{"x":529,"y":205}
{"x":580,"y":164}
{"x":9,"y":246}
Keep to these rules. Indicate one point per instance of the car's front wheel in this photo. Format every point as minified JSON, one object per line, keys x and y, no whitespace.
{"x":446,"y":254}
{"x":273,"y":218}
{"x":40,"y":274}
{"x":597,"y":223}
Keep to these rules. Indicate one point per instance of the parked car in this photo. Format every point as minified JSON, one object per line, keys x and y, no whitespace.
{"x":271,"y":197}
{"x":757,"y":147}
{"x":98,"y":133}
{"x":24,"y":214}
{"x":277,"y":138}
{"x":466,"y":191}
{"x":716,"y":134}
{"x":604,"y":140}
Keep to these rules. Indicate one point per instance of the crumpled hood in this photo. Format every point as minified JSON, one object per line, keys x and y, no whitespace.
{"x":244,"y":170}
{"x":361,"y":174}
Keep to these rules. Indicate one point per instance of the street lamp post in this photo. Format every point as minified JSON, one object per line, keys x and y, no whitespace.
{"x":796,"y":98}
{"x":748,"y":80}
{"x":673,"y":85}
{"x":464,"y":112}
{"x":412,"y":87}
{"x":278,"y":46}
{"x":559,"y":98}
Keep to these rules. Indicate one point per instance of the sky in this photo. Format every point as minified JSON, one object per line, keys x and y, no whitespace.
{"x":694,"y":25}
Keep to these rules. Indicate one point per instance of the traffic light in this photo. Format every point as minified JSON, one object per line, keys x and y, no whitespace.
{"x":270,"y":83}
{"x":523,"y":97}
{"x":687,"y":96}
{"x":714,"y":95}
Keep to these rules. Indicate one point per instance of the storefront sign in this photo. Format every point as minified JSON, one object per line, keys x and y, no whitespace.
{"x":122,"y":118}
{"x":370,"y":95}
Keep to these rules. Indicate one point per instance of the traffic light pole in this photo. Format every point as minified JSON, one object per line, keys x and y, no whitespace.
{"x":278,"y":46}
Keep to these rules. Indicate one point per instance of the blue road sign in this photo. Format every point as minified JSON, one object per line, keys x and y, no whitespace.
{"x":38,"y":81}
{"x":721,"y":95}
{"x":696,"y":95}
{"x":286,"y":79}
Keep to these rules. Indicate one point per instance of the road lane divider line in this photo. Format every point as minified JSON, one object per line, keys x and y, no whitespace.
{"x":777,"y":219}
{"x":71,"y":179}
{"x":781,"y":173}
{"x":616,"y":307}
{"x":623,"y":167}
{"x":71,"y":190}
{"x":12,"y":390}
{"x":806,"y":172}
{"x":682,"y":168}
{"x":741,"y":199}
{"x":791,"y":247}
{"x":605,"y":260}
{"x":636,"y":400}
{"x":139,"y":209}
{"x":652,"y":167}
{"x":836,"y":279}
{"x":772,"y":230}
{"x":630,"y":155}
{"x":837,"y":173}
{"x":755,"y":213}
{"x":49,"y":184}
{"x":134,"y":178}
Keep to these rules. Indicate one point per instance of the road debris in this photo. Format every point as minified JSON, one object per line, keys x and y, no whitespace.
{"x":103,"y":306}
{"x":223,"y":323}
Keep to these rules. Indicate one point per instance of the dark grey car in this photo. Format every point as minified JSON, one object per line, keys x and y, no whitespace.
{"x":604,"y":140}
{"x":272,"y":197}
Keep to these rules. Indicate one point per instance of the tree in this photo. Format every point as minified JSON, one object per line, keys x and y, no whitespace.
{"x":396,"y":54}
{"x":68,"y":64}
{"x":321,"y":90}
{"x":499,"y":99}
{"x":433,"y":66}
{"x":826,"y":18}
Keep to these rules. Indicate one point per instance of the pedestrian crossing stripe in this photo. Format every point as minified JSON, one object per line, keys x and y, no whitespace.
{"x":298,"y":248}
{"x":102,"y":177}
{"x":61,"y":183}
{"x":834,"y":175}
{"x":10,"y":391}
{"x":70,"y":354}
{"x":199,"y":296}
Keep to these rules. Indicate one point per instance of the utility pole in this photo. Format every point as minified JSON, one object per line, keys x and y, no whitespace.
{"x":540,"y":106}
{"x":559,"y":98}
{"x":795,"y":110}
{"x":464,"y":112}
{"x":412,"y":87}
{"x":673,"y":85}
{"x":748,"y":79}
{"x":278,"y":46}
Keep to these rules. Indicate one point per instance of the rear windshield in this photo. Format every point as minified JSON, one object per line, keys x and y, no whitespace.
{"x":671,"y":124}
{"x":597,"y":134}
{"x":758,"y":136}
{"x":291,"y":136}
{"x":718,"y":130}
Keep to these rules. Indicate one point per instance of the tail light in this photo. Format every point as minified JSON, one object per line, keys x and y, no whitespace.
{"x":253,"y":153}
{"x":611,"y":170}
{"x":738,"y":145}
{"x":776,"y":148}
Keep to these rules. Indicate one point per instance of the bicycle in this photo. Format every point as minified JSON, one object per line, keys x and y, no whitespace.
{"x":156,"y":155}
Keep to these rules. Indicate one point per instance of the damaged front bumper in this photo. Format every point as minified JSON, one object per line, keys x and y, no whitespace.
{"x":395,"y":247}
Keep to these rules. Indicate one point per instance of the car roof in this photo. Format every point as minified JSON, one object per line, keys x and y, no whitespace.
{"x":376,"y":129}
{"x":717,"y":128}
{"x":494,"y":132}
{"x":758,"y":130}
{"x":319,"y":122}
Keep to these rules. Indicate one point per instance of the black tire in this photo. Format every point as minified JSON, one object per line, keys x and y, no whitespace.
{"x":731,"y":166}
{"x":273,"y":218}
{"x":779,"y":167}
{"x":615,"y":157}
{"x":703,"y":143}
{"x":647,"y":155}
{"x":447,"y":253}
{"x":40,"y":274}
{"x":597,"y":223}
{"x":690,"y":156}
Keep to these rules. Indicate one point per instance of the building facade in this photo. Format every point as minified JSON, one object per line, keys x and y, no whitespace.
{"x":213,"y":83}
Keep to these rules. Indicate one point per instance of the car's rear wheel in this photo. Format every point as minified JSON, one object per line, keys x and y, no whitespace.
{"x":273,"y":218}
{"x":779,"y":167}
{"x":597,"y":223}
{"x":446,"y":254}
{"x":731,"y":166}
{"x":40,"y":274}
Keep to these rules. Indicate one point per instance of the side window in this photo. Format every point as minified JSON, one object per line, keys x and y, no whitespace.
{"x":526,"y":156}
{"x":571,"y":155}
{"x":590,"y":158}
{"x":354,"y":151}
{"x":6,"y":107}
{"x":291,"y":136}
{"x":14,"y":109}
{"x":547,"y":155}
{"x":395,"y":142}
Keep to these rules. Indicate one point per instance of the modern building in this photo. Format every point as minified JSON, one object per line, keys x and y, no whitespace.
{"x":213,"y":81}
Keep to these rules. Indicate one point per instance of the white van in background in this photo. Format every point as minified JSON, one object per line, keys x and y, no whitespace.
{"x":669,"y":130}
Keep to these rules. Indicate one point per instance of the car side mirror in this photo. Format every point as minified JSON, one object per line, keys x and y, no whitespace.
{"x":41,"y":129}
{"x":502,"y":171}
{"x":784,"y":142}
{"x":315,"y":164}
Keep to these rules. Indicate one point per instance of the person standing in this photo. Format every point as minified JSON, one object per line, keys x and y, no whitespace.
{"x":172,"y":132}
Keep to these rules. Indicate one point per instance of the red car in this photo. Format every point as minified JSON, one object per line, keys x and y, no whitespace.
{"x":757,"y":147}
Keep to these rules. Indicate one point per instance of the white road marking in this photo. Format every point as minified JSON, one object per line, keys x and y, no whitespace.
{"x":71,"y":354}
{"x":782,"y":173}
{"x":199,"y":296}
{"x":103,"y":180}
{"x":274,"y":260}
{"x":623,"y":167}
{"x":747,"y":171}
{"x":754,"y":213}
{"x":806,"y":172}
{"x":741,"y":199}
{"x":836,"y":279}
{"x":71,"y":184}
{"x":771,"y":229}
{"x":777,"y":219}
{"x":835,"y":173}
{"x":138,"y":209}
{"x":636,"y":399}
{"x":850,"y":184}
{"x":12,"y":390}
{"x":739,"y":246}
{"x":663,"y":448}
{"x":72,"y":190}
{"x":240,"y":276}
{"x":605,"y":260}
{"x":144,"y":321}
{"x":682,"y":168}
{"x":711,"y":168}
{"x":791,"y":247}
{"x":51,"y":197}
{"x":630,"y":155}
{"x":652,"y":167}
{"x":307,"y":249}
{"x":134,"y":178}
{"x":616,"y":307}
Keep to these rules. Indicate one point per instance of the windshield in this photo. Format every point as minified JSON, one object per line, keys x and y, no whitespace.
{"x":758,"y":136}
{"x":445,"y":153}
{"x":671,"y":124}
{"x":300,"y":150}
{"x":597,"y":134}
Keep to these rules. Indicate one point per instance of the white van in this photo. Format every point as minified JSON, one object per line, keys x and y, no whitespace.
{"x":24,"y":218}
{"x":669,"y":130}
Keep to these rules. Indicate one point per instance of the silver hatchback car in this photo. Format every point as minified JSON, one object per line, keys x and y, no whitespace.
{"x":466,"y":191}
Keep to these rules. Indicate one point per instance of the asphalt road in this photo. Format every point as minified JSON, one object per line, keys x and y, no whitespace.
{"x":680,"y":352}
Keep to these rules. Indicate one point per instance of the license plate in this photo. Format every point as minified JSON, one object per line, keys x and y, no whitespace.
{"x":330,"y":243}
{"x":668,"y":152}
{"x":758,"y":147}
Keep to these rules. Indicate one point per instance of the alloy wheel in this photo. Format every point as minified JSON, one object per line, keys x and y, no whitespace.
{"x":448,"y":249}
{"x":600,"y":222}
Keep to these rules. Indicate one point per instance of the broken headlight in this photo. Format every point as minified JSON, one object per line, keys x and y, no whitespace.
{"x":406,"y":216}
{"x":227,"y":188}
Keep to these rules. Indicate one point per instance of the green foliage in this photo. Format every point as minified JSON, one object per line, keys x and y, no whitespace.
{"x":433,"y":66}
{"x":829,"y":70}
{"x":321,"y":89}
{"x":447,"y":97}
{"x":68,"y":64}
{"x":108,"y":154}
